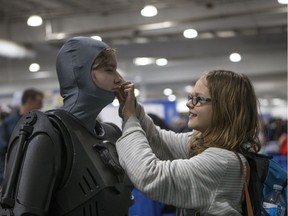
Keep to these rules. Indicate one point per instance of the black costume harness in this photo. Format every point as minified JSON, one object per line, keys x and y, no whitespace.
{"x":55,"y":166}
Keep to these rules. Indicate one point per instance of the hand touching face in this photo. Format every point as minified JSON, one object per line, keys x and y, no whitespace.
{"x":127,"y":100}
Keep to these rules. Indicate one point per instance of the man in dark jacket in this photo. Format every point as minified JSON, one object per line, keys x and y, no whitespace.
{"x":31,"y":99}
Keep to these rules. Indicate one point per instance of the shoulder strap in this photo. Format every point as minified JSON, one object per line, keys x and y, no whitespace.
{"x":246,"y":192}
{"x":7,"y":199}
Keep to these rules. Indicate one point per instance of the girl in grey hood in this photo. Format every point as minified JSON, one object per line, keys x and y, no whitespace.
{"x":85,"y":84}
{"x":64,"y":162}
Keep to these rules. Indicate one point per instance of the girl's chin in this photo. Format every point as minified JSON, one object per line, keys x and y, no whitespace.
{"x":191,"y":125}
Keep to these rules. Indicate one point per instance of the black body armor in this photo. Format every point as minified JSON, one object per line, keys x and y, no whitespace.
{"x":55,"y":166}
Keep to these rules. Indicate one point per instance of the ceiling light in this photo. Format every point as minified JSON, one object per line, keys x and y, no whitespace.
{"x":143,"y":61}
{"x":149,"y":11}
{"x":154,"y":26}
{"x":172,"y":97}
{"x":283,"y":1}
{"x":188,"y":89}
{"x":140,"y":40}
{"x":161,"y":62}
{"x":34,"y":21}
{"x":190,"y":33}
{"x":167,"y":91}
{"x":235,"y":57}
{"x":96,"y":37}
{"x":206,"y":35}
{"x":13,"y":50}
{"x":226,"y":34}
{"x":34,"y":67}
{"x":56,"y":36}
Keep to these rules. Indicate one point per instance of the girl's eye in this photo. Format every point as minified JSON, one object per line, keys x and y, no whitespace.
{"x":110,"y":69}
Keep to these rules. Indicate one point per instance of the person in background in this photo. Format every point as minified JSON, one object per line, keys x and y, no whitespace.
{"x":3,"y":115}
{"x":198,"y":171}
{"x":31,"y":99}
{"x":283,"y":143}
{"x":180,"y":125}
{"x":159,"y":121}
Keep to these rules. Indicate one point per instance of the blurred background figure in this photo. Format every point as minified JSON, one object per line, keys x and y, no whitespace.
{"x":3,"y":115}
{"x":181,"y":124}
{"x":274,"y":140}
{"x":31,"y":99}
{"x":159,"y":121}
{"x":274,"y":132}
{"x":283,"y":143}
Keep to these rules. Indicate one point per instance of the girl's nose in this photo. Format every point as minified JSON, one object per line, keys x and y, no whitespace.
{"x":189,"y":104}
{"x":118,"y":78}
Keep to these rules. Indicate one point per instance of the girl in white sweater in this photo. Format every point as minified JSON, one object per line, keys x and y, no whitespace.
{"x":197,"y":171}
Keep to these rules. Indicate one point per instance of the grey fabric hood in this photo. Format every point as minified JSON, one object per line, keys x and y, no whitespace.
{"x":81,"y":96}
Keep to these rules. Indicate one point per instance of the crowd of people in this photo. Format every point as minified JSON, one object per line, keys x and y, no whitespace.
{"x":274,"y":136}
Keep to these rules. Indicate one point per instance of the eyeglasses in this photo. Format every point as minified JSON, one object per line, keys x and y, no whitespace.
{"x":195,"y":99}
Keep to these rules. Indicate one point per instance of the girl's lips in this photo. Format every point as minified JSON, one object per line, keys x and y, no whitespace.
{"x":116,"y":88}
{"x":191,"y":114}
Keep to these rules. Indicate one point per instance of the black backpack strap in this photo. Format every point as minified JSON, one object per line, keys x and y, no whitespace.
{"x":34,"y":138}
{"x":8,"y":199}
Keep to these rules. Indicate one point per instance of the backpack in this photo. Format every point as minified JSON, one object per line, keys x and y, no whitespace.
{"x":264,"y":173}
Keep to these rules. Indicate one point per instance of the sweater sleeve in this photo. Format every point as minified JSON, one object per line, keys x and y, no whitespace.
{"x":165,"y":144}
{"x":184,"y":183}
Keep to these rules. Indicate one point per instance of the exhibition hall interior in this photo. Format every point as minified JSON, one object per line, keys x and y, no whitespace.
{"x":163,"y":51}
{"x":163,"y":47}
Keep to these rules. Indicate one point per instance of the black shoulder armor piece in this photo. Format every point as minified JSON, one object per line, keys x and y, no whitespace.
{"x":82,"y":169}
{"x":33,"y":165}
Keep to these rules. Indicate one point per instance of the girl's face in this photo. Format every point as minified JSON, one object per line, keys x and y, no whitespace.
{"x":200,"y":114}
{"x":107,"y":77}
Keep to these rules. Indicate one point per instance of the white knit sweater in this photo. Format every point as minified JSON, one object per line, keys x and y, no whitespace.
{"x":157,"y":163}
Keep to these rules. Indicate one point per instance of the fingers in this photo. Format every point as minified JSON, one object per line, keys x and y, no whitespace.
{"x":120,"y":85}
{"x":119,"y":91}
{"x":130,"y":91}
{"x":125,"y":95}
{"x":122,"y":91}
{"x":120,"y":97}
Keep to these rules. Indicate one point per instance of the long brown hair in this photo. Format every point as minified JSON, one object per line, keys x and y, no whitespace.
{"x":235,"y":120}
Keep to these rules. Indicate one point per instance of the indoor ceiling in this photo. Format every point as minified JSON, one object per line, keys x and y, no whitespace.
{"x":256,"y":29}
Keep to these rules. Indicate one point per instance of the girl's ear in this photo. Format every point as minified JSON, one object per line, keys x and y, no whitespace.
{"x":93,"y":77}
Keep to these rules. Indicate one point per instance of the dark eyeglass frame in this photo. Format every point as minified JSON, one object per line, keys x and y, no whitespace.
{"x":196,"y":99}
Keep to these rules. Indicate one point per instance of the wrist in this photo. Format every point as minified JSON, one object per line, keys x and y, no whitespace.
{"x":127,"y":116}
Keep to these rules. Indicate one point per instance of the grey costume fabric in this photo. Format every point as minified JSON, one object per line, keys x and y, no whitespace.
{"x":81,"y":96}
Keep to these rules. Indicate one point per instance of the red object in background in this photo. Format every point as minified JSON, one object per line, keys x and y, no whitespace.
{"x":283,"y":144}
